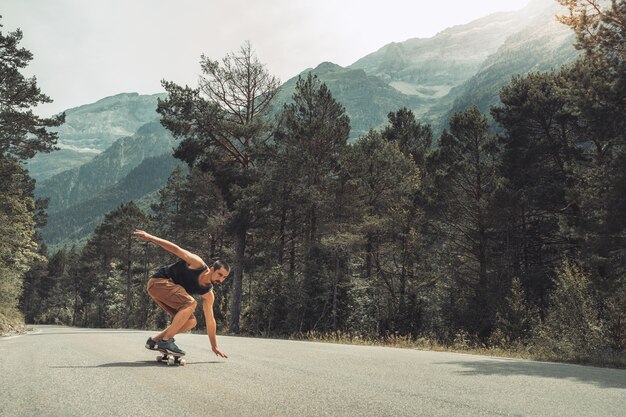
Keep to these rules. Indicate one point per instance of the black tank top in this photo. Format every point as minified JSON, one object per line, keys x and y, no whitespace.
{"x":184,"y":276}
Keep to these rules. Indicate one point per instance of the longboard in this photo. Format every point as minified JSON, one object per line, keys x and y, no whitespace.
{"x":170,"y":358}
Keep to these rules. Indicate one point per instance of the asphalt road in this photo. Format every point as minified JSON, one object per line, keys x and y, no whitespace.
{"x":61,"y":371}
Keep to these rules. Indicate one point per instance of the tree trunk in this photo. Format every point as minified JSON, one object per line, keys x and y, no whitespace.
{"x":75,"y":296}
{"x":368,"y":258}
{"x":292,"y":249}
{"x":335,"y":285}
{"x":75,"y":303}
{"x":240,"y":248}
{"x":128,"y":283}
{"x":283,"y":222}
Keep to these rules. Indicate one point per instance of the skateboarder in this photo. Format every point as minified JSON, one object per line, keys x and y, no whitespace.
{"x":172,"y":286}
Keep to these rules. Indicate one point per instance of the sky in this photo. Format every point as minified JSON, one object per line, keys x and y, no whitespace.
{"x":85,"y":50}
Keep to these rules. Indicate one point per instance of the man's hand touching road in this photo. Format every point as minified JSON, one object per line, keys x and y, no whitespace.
{"x":219,"y":352}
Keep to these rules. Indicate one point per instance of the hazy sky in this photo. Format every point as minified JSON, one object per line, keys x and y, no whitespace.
{"x":85,"y":50}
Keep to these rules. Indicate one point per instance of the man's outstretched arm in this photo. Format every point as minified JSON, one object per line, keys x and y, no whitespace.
{"x":211,"y":327}
{"x":193,"y":260}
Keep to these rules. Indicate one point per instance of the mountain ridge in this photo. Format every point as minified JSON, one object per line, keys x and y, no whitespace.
{"x":76,"y":222}
{"x":80,"y":183}
{"x":91,"y":128}
{"x":367,"y":92}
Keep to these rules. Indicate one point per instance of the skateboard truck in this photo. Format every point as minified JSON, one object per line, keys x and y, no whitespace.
{"x":171,"y":358}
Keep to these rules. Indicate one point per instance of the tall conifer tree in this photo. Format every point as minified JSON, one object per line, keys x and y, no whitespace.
{"x":222,"y":123}
{"x":22,"y":135}
{"x":465,"y":172}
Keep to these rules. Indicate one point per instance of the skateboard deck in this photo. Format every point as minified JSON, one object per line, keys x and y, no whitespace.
{"x":170,"y":358}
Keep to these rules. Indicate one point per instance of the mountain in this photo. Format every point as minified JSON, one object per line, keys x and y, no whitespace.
{"x":436,"y":76}
{"x":104,"y":170}
{"x":92,"y":128}
{"x":542,"y":45}
{"x":47,"y":165}
{"x":430,"y":68}
{"x":367,"y":99}
{"x":98,"y":125}
{"x":75,"y":223}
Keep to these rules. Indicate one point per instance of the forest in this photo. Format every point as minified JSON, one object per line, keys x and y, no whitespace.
{"x":506,"y":231}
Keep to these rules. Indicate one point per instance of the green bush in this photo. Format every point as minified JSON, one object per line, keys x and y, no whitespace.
{"x":515,"y":320}
{"x":615,"y":322}
{"x":55,"y":315}
{"x":572,"y":329}
{"x":11,"y":321}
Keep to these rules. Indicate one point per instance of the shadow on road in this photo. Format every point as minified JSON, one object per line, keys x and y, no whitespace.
{"x":601,"y":377}
{"x":136,"y":364}
{"x":80,"y":333}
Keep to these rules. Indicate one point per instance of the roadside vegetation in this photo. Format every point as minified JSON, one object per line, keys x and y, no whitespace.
{"x":572,"y":330}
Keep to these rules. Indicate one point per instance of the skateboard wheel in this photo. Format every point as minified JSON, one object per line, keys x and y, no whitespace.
{"x":182,"y":362}
{"x":159,"y":358}
{"x":171,"y":361}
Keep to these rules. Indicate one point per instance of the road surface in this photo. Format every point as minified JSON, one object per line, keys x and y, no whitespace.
{"x":62,"y":371}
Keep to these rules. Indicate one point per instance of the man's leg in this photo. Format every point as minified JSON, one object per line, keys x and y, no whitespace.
{"x":179,"y":306}
{"x":168,"y":333}
{"x":188,"y":325}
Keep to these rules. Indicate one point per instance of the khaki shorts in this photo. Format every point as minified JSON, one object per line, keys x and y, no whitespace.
{"x":170,"y":296}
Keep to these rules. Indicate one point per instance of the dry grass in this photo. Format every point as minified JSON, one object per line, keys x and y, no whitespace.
{"x":462,"y":345}
{"x":11,"y":322}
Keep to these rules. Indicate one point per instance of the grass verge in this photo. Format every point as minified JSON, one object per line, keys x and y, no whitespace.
{"x":607,"y":359}
{"x":11,"y":322}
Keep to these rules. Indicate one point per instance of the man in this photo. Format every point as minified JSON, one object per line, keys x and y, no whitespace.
{"x":172,"y":286}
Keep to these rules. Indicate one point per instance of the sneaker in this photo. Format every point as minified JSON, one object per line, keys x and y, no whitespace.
{"x":151,"y":344}
{"x":170,"y":346}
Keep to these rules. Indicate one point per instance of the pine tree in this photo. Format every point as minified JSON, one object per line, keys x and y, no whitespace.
{"x":540,"y":148}
{"x":464,"y":171}
{"x":600,"y":30}
{"x":56,"y":300}
{"x":114,"y":271}
{"x":30,"y":300}
{"x":515,"y":320}
{"x":413,"y":138}
{"x":386,"y":182}
{"x":17,"y":228}
{"x":572,"y":329}
{"x":22,"y":133}
{"x":418,"y":237}
{"x":313,"y":135}
{"x":191,"y":212}
{"x":204,"y":216}
{"x":168,"y":212}
{"x":597,"y":97}
{"x":222,"y":123}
